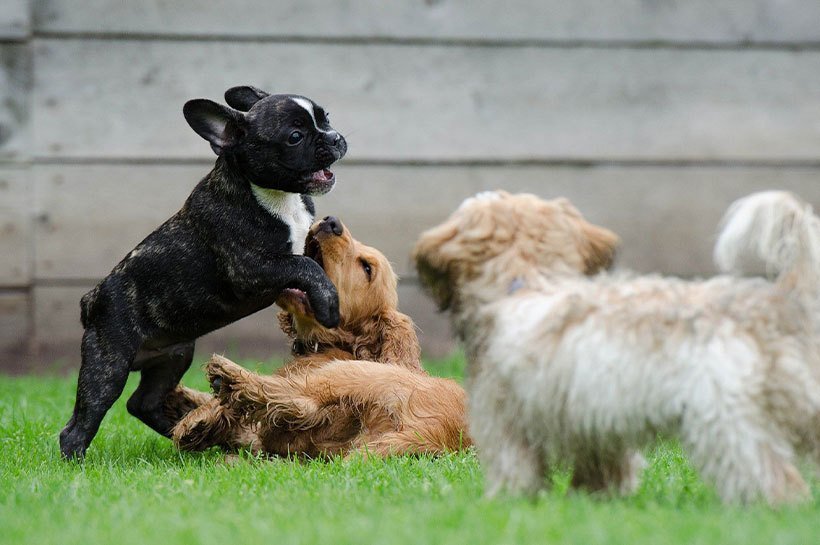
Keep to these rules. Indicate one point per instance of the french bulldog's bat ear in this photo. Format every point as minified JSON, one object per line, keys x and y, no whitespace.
{"x":244,"y":97}
{"x":221,"y":126}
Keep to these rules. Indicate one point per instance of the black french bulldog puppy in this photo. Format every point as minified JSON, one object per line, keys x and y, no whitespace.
{"x":229,"y":252}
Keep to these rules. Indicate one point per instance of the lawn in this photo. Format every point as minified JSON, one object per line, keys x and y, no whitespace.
{"x":134,"y":487}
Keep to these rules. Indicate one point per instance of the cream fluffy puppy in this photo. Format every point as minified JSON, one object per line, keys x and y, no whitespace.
{"x":565,"y":366}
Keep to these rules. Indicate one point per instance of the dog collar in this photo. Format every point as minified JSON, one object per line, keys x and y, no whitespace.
{"x":516,"y":284}
{"x":301,"y":348}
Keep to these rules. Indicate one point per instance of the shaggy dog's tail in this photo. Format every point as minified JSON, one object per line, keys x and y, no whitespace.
{"x":773,"y":234}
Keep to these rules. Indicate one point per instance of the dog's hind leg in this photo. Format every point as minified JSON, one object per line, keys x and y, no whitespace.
{"x":182,"y":400}
{"x":274,"y":400}
{"x":160,"y":375}
{"x":617,"y":471}
{"x":103,"y":373}
{"x":745,"y":460}
{"x":211,"y":424}
{"x":727,"y":427}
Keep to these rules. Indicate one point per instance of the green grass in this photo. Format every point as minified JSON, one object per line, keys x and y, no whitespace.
{"x":134,"y":487}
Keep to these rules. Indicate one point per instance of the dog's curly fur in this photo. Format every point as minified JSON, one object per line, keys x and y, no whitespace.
{"x":324,"y":402}
{"x":371,"y":326}
{"x":569,"y":366}
{"x":345,"y":406}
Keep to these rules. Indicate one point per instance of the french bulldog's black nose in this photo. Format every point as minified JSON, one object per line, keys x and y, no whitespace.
{"x":332,"y":137}
{"x":332,"y":224}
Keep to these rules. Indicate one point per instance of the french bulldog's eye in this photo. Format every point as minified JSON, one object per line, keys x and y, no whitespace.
{"x":295,"y":137}
{"x":367,"y":270}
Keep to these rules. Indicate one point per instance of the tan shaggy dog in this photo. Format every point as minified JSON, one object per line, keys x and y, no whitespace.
{"x":568,"y":366}
{"x":324,"y":402}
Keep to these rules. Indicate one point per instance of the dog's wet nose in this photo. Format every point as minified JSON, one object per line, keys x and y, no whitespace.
{"x":332,"y":138}
{"x":332,"y":224}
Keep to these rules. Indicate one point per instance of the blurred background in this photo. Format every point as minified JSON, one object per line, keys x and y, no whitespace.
{"x":650,"y":115}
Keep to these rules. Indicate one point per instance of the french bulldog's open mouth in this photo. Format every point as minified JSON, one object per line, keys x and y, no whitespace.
{"x":319,"y":182}
{"x":294,"y":301}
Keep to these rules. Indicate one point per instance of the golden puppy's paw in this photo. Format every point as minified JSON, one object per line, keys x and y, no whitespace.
{"x":223,"y":374}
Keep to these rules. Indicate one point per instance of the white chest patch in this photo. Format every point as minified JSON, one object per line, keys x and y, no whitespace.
{"x":289,"y":208}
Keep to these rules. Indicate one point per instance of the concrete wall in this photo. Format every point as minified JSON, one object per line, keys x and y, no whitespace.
{"x":650,"y":115}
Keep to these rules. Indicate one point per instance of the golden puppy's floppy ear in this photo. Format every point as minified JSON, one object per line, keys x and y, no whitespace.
{"x":398,"y":341}
{"x":598,"y":247}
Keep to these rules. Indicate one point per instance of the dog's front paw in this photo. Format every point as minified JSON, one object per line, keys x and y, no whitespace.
{"x":222,"y":373}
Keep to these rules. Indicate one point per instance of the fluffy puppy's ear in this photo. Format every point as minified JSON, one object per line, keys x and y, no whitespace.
{"x":598,"y":247}
{"x":398,"y":341}
{"x":434,"y":262}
